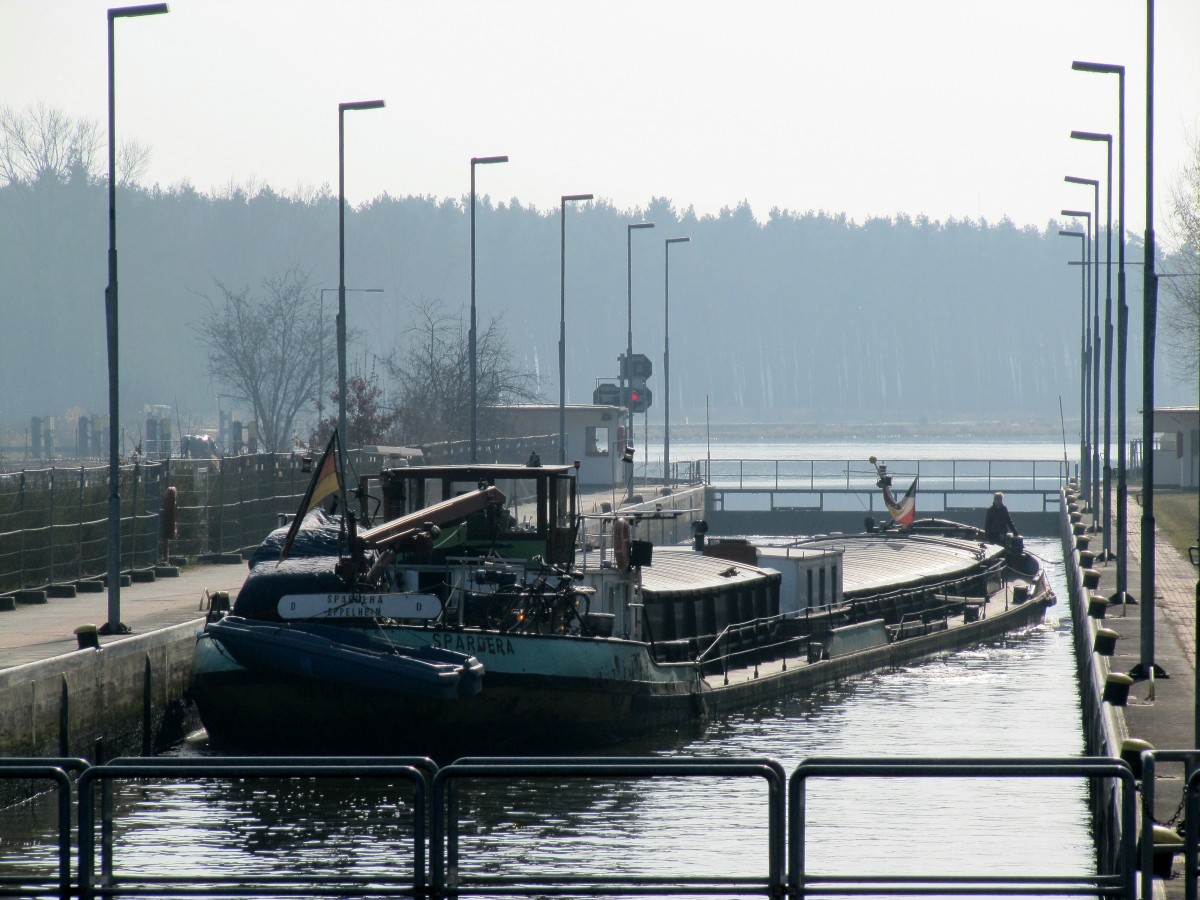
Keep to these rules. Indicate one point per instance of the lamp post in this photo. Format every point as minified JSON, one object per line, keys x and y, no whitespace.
{"x":562,"y":326}
{"x":1083,"y":343}
{"x":341,"y":320}
{"x":114,"y":625}
{"x":1094,"y":301}
{"x":625,"y":383}
{"x":667,"y":356}
{"x":321,"y":330}
{"x":1108,"y":340}
{"x":1146,"y":665}
{"x":1122,"y":322}
{"x":476,"y":161}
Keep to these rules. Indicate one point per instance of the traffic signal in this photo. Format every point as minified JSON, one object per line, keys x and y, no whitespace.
{"x":606,"y":394}
{"x":638,"y":398}
{"x":636,"y":367}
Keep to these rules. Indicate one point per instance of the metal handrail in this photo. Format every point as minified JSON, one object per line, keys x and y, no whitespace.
{"x":1191,"y":791}
{"x":786,"y":871}
{"x":802,"y":884}
{"x":447,"y":877}
{"x":54,"y":770}
{"x":240,"y":886}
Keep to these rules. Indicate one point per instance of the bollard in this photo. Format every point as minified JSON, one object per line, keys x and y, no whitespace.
{"x":1082,"y":542}
{"x":1131,"y":752}
{"x":1116,"y":688}
{"x":1020,"y":593}
{"x":1106,"y":641}
{"x":816,"y":651}
{"x":87,"y":637}
{"x":1086,"y":558}
{"x":1091,"y":579}
{"x":1079,"y":528}
{"x":1097,"y":607}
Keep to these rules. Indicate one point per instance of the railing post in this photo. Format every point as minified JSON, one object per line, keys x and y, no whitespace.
{"x":50,"y":533}
{"x":80,"y":539}
{"x":21,"y":526}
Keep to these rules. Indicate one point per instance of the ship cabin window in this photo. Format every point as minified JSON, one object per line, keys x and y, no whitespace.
{"x":597,"y":440}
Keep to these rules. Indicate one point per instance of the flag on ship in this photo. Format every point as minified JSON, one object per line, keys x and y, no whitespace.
{"x":326,"y":480}
{"x":904,"y":510}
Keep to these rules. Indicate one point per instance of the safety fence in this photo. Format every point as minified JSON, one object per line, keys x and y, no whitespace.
{"x":54,"y":522}
{"x":442,"y":807}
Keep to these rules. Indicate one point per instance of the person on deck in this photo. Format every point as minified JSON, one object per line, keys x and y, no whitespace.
{"x":997,"y":523}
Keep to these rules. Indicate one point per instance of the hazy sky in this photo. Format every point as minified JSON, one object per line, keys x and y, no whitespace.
{"x":869,"y":107}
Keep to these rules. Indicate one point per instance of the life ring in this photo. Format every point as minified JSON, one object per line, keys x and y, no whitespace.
{"x":621,"y":544}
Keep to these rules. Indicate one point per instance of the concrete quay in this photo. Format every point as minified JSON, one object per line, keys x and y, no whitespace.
{"x":1158,"y":710}
{"x":59,"y":700}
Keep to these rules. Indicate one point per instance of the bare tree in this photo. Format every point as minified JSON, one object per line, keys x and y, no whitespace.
{"x":1181,"y":315}
{"x":41,"y":143}
{"x":433,"y":378}
{"x":266,"y":350}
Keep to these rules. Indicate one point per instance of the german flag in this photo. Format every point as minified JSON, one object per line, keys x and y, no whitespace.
{"x":326,"y":480}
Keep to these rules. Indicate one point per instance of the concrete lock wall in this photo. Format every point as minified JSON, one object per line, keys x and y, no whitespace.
{"x":127,"y":695}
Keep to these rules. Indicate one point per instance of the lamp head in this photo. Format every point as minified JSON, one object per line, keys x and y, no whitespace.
{"x":1076,"y":213}
{"x":679,"y":240}
{"x":568,"y":198}
{"x":1091,"y":136}
{"x":1101,"y":68}
{"x":361,"y":104}
{"x":126,"y":12}
{"x":633,"y":225}
{"x":1075,"y":179}
{"x":1079,"y":234}
{"x":487,"y":160}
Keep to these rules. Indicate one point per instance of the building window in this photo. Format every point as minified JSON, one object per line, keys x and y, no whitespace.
{"x":597,"y":440}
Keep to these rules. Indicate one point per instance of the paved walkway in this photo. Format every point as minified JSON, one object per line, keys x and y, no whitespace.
{"x":31,"y":633}
{"x":1160,"y":711}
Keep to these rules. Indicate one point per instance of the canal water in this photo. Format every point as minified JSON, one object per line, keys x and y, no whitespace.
{"x":1015,"y":696}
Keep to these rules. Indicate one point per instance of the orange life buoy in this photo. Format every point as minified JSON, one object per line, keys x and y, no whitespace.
{"x":170,"y":514}
{"x":621,"y":544}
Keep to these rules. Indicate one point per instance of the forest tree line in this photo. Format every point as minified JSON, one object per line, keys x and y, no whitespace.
{"x":805,"y":317}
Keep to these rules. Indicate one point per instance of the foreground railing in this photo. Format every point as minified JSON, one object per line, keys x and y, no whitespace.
{"x":441,"y":802}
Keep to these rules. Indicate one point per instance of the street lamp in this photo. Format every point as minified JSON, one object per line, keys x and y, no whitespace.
{"x":1108,"y":340}
{"x":1095,"y":343}
{"x":341,"y":321}
{"x":114,"y":625}
{"x":1083,"y":342}
{"x":562,"y":326}
{"x":321,"y":330}
{"x":1122,"y":320}
{"x":667,"y":355}
{"x":625,"y":382}
{"x":476,"y":161}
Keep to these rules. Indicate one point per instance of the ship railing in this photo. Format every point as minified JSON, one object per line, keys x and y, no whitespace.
{"x":754,"y":641}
